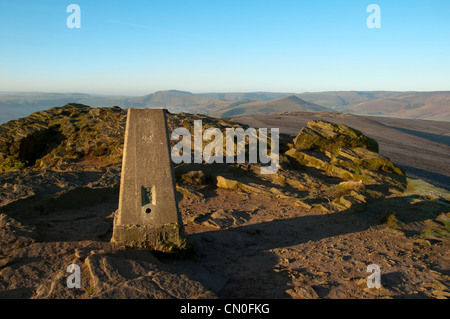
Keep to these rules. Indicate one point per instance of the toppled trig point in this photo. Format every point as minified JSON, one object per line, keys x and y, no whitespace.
{"x":148,"y":216}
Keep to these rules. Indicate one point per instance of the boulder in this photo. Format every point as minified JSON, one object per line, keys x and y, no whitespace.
{"x":326,"y":136}
{"x":346,"y":153}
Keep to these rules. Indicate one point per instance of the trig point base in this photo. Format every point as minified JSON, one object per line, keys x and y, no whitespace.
{"x":148,"y":216}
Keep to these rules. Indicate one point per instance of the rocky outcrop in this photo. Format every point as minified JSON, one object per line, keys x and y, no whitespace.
{"x":326,"y":136}
{"x":348,"y":155}
{"x":60,"y":136}
{"x":342,"y":151}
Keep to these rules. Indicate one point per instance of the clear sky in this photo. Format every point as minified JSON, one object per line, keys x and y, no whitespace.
{"x":139,"y":47}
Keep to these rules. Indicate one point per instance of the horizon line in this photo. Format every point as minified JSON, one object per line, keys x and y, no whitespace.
{"x":221,"y":92}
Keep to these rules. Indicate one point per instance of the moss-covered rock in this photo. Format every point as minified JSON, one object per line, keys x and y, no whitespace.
{"x":361,"y":158}
{"x":61,"y":137}
{"x":345,"y":153}
{"x":326,"y":136}
{"x":57,"y":137}
{"x":319,"y":161}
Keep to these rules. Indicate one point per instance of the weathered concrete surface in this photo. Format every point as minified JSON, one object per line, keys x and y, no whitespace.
{"x":148,"y":215}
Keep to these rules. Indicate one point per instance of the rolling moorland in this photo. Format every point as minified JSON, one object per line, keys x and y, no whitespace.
{"x":337,"y":204}
{"x":412,"y":105}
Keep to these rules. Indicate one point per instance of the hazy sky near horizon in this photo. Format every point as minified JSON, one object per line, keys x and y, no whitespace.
{"x":139,"y":47}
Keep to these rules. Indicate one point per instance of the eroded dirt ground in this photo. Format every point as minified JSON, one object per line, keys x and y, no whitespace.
{"x":249,"y":245}
{"x":277,"y":251}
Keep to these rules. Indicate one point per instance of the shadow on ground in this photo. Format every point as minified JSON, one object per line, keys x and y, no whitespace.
{"x":246,"y":257}
{"x":245,"y":261}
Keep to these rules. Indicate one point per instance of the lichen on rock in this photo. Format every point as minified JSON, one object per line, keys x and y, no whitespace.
{"x":327,"y":136}
{"x":340,"y":150}
{"x":61,"y":136}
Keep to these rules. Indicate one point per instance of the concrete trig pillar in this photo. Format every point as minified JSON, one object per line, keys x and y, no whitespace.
{"x":148,"y":215}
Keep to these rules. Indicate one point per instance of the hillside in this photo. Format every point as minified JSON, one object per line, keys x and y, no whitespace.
{"x":175,"y":101}
{"x":412,"y":105}
{"x":338,"y":100}
{"x":431,"y":106}
{"x":290,"y":103}
{"x":240,"y":96}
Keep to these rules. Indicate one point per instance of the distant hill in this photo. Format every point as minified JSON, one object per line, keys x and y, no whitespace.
{"x":223,"y":105}
{"x":177,"y":101}
{"x":256,"y":107}
{"x":413,"y":105}
{"x":338,"y":100}
{"x":15,"y":105}
{"x":166,"y":99}
{"x":263,"y":96}
{"x":429,"y":106}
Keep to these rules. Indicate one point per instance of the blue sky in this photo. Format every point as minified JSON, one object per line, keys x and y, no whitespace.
{"x":139,"y":47}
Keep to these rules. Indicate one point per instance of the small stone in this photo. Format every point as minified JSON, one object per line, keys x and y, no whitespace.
{"x":222,"y":182}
